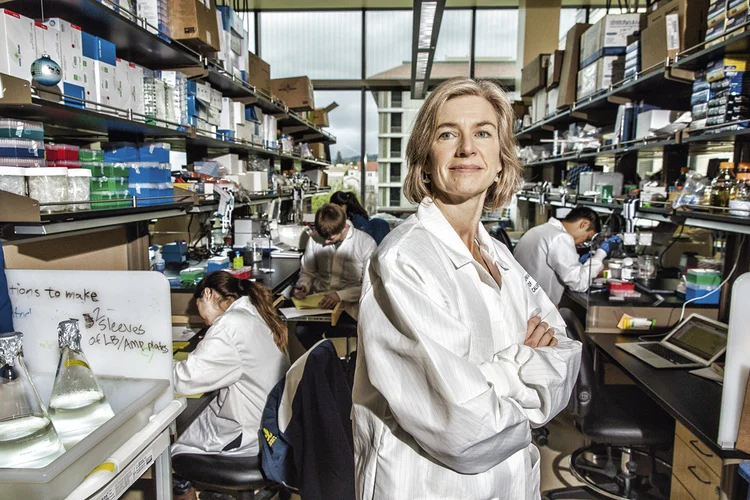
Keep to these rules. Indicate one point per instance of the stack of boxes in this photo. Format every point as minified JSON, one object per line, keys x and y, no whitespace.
{"x":176,"y":94}
{"x":109,"y":181}
{"x":21,"y":143}
{"x":70,"y":59}
{"x":737,"y":14}
{"x":533,"y":83}
{"x":99,"y":63}
{"x":729,"y":92}
{"x":701,"y":282}
{"x":602,"y":56}
{"x":699,"y":101}
{"x":199,"y":95}
{"x":632,"y":59}
{"x":157,"y":15}
{"x":716,"y":22}
{"x":234,"y":42}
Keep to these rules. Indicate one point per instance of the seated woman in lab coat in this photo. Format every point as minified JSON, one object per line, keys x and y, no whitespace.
{"x":243,"y":355}
{"x":355,"y":212}
{"x":461,"y":352}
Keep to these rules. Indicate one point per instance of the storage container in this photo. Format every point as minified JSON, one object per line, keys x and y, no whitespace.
{"x":61,"y":152}
{"x":117,"y":152}
{"x":79,"y":188}
{"x":48,"y":185}
{"x":90,"y":155}
{"x":22,"y":148}
{"x":109,"y":184}
{"x":132,"y":400}
{"x":692,"y":291}
{"x":96,"y":168}
{"x":157,"y":152}
{"x":23,"y":162}
{"x":12,"y":179}
{"x":21,"y":129}
{"x":117,"y":169}
{"x":65,"y":164}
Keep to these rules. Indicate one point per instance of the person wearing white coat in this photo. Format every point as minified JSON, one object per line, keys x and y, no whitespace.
{"x":333,"y":263}
{"x":548,"y":253}
{"x":460,"y":351}
{"x":243,"y":356}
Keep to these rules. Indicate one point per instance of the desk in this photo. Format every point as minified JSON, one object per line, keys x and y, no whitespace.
{"x":602,"y":315}
{"x":694,"y":403}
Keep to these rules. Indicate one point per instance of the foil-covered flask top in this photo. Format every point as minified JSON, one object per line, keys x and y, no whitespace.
{"x":69,"y":335}
{"x":10,"y":346}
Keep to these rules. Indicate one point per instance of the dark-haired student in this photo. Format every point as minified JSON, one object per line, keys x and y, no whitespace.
{"x":333,"y":265}
{"x":548,"y":252}
{"x":243,"y":355}
{"x":355,"y":212}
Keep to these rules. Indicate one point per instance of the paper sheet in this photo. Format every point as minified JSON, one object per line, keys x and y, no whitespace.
{"x":182,"y":333}
{"x":180,"y":356}
{"x":189,"y":396}
{"x":177,"y":345}
{"x":293,"y":312}
{"x":309,"y":302}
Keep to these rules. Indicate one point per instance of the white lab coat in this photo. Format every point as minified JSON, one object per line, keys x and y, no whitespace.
{"x":445,"y":392}
{"x":338,"y":268}
{"x":239,"y":357}
{"x":548,"y":253}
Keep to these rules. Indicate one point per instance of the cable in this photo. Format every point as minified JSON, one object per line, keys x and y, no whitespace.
{"x":674,"y":239}
{"x":734,"y":268}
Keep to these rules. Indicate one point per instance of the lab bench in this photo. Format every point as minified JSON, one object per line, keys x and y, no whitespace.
{"x":602,"y":315}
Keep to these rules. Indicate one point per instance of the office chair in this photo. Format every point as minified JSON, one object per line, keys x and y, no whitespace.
{"x":618,"y":421}
{"x":239,"y":477}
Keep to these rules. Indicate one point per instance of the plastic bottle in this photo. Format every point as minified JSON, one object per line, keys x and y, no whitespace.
{"x":722,"y":185}
{"x":159,"y":264}
{"x":238,"y":262}
{"x":739,"y":202}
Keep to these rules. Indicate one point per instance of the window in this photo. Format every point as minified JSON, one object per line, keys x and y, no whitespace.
{"x":496,"y":43}
{"x":396,"y":99}
{"x":321,"y":45}
{"x":396,"y":122}
{"x":395,"y":172}
{"x":453,"y":51}
{"x":388,"y":44}
{"x":395,"y":147}
{"x":395,"y":198}
{"x":344,"y":122}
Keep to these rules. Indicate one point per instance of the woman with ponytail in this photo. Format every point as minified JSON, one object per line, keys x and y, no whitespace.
{"x":243,"y":355}
{"x":355,"y":212}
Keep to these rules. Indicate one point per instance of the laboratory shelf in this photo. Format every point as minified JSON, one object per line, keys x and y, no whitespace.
{"x":654,"y":143}
{"x":134,"y":43}
{"x":738,"y":43}
{"x":94,"y":219}
{"x":715,"y":222}
{"x":67,"y":121}
{"x":229,"y":85}
{"x":544,"y":127}
{"x":708,"y":136}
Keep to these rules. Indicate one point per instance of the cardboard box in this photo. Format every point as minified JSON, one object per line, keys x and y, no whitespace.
{"x":259,"y":73}
{"x":569,"y":72}
{"x":194,"y":24}
{"x":552,"y":98}
{"x":554,"y":69}
{"x":17,"y":44}
{"x":653,"y":119}
{"x":534,"y":75}
{"x":135,"y":79}
{"x":101,"y":54}
{"x":226,"y":119}
{"x":662,"y":39}
{"x":296,"y":92}
{"x":123,"y":93}
{"x":71,"y":49}
{"x":318,"y":150}
{"x":599,"y":75}
{"x":608,"y":37}
{"x":320,"y":115}
{"x":539,"y":106}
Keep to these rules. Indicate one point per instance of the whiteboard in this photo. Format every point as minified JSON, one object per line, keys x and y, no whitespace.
{"x":125,"y":319}
{"x":737,"y":364}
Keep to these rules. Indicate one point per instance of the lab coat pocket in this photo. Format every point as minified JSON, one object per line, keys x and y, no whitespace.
{"x":535,"y":476}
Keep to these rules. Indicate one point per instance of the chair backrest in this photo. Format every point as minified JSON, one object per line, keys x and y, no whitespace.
{"x":584,"y":393}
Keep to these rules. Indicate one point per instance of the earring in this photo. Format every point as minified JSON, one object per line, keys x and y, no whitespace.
{"x":426,"y":178}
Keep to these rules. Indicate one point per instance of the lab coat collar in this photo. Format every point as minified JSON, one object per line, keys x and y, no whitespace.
{"x":556,"y":223}
{"x":436,"y":224}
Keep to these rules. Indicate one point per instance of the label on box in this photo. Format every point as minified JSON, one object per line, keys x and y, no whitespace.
{"x":673,"y":32}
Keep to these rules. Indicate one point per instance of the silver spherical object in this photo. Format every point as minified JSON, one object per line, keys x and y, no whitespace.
{"x":45,"y":71}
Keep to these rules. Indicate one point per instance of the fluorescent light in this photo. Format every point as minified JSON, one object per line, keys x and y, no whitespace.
{"x":422,"y":59}
{"x":426,"y":24}
{"x":419,"y":89}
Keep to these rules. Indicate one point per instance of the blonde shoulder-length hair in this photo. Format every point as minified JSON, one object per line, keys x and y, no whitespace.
{"x":418,"y":150}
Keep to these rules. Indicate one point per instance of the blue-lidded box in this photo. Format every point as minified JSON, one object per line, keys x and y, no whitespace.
{"x":157,"y":152}
{"x":692,"y":291}
{"x":120,"y":152}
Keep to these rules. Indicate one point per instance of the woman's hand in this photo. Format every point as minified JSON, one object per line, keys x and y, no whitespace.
{"x":539,"y":334}
{"x":329,"y":301}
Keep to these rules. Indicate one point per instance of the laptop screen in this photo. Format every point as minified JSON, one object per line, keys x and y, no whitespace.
{"x":700,"y":337}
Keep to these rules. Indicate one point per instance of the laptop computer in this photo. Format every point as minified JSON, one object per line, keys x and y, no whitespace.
{"x":695,"y":342}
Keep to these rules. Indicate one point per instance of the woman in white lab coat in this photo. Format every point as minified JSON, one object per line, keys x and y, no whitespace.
{"x":461,"y":352}
{"x":243,"y":356}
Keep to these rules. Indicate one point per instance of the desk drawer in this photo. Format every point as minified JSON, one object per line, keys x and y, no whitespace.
{"x":678,"y":491}
{"x":693,"y":473}
{"x":700,"y":449}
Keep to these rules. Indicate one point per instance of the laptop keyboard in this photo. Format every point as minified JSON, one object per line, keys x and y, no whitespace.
{"x":668,"y":354}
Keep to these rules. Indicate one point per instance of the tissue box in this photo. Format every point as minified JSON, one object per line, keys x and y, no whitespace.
{"x":654,"y":119}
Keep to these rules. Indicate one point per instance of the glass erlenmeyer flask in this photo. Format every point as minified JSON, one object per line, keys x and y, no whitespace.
{"x":77,"y":405}
{"x":27,"y":437}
